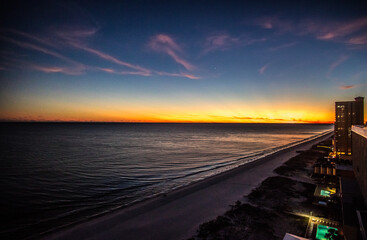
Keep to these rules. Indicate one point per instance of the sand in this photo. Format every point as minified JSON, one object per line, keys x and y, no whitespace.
{"x":280,"y":204}
{"x":178,"y":214}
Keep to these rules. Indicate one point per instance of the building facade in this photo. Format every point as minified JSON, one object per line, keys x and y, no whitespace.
{"x":346,"y":114}
{"x":359,"y":147}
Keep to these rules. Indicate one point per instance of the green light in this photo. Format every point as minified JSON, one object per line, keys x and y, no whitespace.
{"x":325,"y":193}
{"x":323,"y":232}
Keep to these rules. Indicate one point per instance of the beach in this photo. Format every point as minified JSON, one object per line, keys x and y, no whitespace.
{"x":178,"y":214}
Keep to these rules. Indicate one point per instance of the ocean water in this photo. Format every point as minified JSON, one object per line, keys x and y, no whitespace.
{"x":56,"y":174}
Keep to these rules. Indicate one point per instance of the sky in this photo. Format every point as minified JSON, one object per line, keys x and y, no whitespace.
{"x":181,"y":61}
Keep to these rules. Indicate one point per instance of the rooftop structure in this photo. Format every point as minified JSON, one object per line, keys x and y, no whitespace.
{"x":289,"y":236}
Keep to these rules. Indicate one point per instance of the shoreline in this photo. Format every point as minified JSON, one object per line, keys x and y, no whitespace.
{"x":184,"y":208}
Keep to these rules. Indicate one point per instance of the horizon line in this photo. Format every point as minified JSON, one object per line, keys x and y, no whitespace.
{"x":40,"y":121}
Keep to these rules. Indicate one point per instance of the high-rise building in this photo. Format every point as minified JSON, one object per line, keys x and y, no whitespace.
{"x":346,"y":114}
{"x":359,"y":141}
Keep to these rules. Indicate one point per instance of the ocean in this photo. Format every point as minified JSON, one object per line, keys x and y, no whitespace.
{"x":57,"y":174}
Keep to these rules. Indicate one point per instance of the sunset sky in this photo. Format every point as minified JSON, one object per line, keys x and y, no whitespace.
{"x":181,"y":61}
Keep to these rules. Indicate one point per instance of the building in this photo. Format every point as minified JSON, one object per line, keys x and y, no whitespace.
{"x":359,"y":147}
{"x":346,"y":114}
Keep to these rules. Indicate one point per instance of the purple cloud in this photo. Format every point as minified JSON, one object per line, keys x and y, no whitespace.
{"x":36,"y":48}
{"x":224,"y":41}
{"x":335,"y":64}
{"x":263,"y":69}
{"x":76,"y":67}
{"x":219,"y":42}
{"x":164,"y":43}
{"x":283,"y":46}
{"x":350,"y":32}
{"x":75,"y":34}
{"x":143,"y":71}
{"x":76,"y":38}
{"x":274,"y":23}
{"x":55,"y":69}
{"x":343,"y":87}
{"x":341,"y":29}
{"x":358,"y":40}
{"x":186,"y":75}
{"x":73,"y":38}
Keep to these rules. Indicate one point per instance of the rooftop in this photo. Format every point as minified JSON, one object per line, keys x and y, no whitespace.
{"x":289,"y":236}
{"x":360,"y":129}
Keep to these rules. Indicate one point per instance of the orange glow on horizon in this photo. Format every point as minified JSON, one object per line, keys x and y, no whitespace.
{"x":169,"y":117}
{"x":203,"y":112}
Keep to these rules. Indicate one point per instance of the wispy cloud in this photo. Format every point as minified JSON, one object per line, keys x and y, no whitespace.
{"x":143,"y":71}
{"x":77,"y":39}
{"x":358,"y":40}
{"x":219,"y":42}
{"x":18,"y":63}
{"x":119,"y":72}
{"x":75,"y":67}
{"x":53,"y":69}
{"x":186,"y":75}
{"x":274,"y":22}
{"x":76,"y":33}
{"x":37,"y":48}
{"x":107,"y":70}
{"x":263,"y":69}
{"x":42,"y":40}
{"x":335,"y":64}
{"x":351,"y":32}
{"x":164,"y":43}
{"x":224,"y":41}
{"x":342,"y":29}
{"x":345,"y":87}
{"x":283,"y":46}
